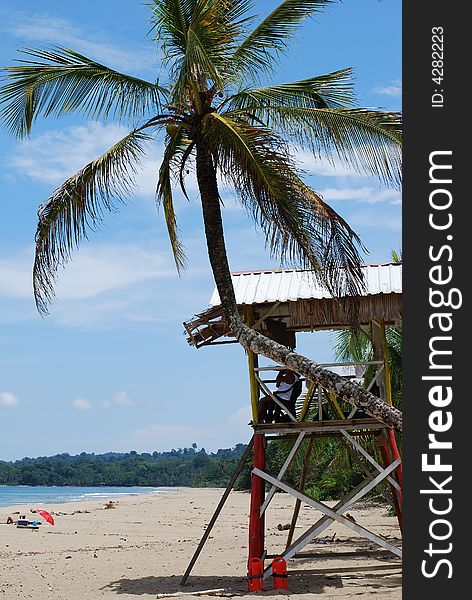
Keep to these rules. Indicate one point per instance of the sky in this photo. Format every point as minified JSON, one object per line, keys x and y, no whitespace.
{"x":109,"y":368}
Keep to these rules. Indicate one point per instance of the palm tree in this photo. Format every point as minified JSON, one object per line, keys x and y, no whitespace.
{"x":213,"y":110}
{"x":357,"y":346}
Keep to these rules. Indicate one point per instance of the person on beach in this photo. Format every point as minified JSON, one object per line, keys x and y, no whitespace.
{"x":289,"y":387}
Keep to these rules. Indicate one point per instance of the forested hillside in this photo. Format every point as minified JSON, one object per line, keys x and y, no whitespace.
{"x":331,"y":474}
{"x":182,"y":467}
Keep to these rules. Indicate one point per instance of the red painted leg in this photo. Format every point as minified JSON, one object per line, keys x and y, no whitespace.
{"x":395,"y":455}
{"x":256,"y":522}
{"x":390,"y":453}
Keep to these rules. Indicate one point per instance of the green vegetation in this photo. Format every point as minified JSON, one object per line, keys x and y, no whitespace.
{"x":328,"y":478}
{"x":182,"y":467}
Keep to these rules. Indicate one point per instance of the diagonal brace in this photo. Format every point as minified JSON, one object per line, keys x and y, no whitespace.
{"x":368,"y":457}
{"x":285,"y":466}
{"x":325,"y":521}
{"x":331,"y":515}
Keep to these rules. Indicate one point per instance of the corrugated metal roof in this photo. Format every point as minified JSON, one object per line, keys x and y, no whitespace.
{"x":259,"y":287}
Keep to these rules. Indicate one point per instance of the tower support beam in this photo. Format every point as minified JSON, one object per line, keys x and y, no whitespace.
{"x":284,"y":468}
{"x":256,"y":519}
{"x":331,"y":515}
{"x":218,"y":510}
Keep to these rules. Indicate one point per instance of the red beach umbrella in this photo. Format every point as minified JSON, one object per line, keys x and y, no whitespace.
{"x":46,"y":516}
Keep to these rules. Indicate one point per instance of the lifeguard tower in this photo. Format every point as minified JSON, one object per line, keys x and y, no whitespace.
{"x":280,"y":304}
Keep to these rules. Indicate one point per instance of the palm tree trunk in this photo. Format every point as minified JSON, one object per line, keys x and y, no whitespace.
{"x":253,"y":340}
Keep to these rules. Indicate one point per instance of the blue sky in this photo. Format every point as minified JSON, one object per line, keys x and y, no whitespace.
{"x":109,"y":368}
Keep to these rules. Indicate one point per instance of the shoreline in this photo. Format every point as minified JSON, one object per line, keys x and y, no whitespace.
{"x":94,"y":497}
{"x":142,"y":547}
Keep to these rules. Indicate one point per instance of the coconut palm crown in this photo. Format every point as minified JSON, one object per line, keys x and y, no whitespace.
{"x":219,"y":110}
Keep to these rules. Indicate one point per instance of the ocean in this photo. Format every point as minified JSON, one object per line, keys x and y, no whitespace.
{"x":11,"y":495}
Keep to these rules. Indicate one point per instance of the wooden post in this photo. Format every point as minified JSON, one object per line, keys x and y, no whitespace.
{"x":256,"y":521}
{"x":218,"y":510}
{"x":388,"y":390}
{"x":379,"y":350}
{"x":384,"y":451}
{"x":395,"y":455}
{"x":253,"y":363}
{"x":388,"y":381}
{"x":388,"y":448}
{"x":306,"y":403}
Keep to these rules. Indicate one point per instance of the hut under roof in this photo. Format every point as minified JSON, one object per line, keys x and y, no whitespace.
{"x":280,"y":303}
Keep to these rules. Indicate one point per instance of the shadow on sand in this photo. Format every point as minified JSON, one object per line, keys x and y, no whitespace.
{"x":233,"y":586}
{"x":302,"y":582}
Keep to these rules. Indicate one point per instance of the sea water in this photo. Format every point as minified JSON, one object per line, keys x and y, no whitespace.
{"x":11,"y":495}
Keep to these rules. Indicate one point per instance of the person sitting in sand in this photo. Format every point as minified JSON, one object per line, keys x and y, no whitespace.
{"x":110,"y":504}
{"x":289,"y":387}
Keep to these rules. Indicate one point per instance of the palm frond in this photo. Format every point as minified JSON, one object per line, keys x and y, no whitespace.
{"x":78,"y":205}
{"x":60,"y":81}
{"x":199,"y":38}
{"x":200,"y":56}
{"x":394,"y":337}
{"x":171,"y":20}
{"x":396,"y":256}
{"x":350,"y":345}
{"x":299,"y":227}
{"x":367,"y":141}
{"x":175,"y":147}
{"x":333,"y":90}
{"x":270,"y":37}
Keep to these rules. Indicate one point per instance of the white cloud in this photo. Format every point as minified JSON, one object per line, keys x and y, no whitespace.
{"x":53,"y":156}
{"x":394,"y":89}
{"x":61,"y":32}
{"x":164,"y":437}
{"x":145,"y":318}
{"x":370,"y":219}
{"x":242,"y":416}
{"x":368,"y":195}
{"x":94,"y":270}
{"x":15,"y":278}
{"x":101,"y":268}
{"x":8,"y":399}
{"x":121,"y":399}
{"x":315,"y":165}
{"x":110,"y":286}
{"x":82,"y":404}
{"x":231,"y":203}
{"x":92,"y":314}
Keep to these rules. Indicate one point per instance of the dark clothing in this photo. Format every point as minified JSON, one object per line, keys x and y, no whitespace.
{"x":270,"y":411}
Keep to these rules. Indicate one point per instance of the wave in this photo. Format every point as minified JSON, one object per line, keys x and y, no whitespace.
{"x":41,"y":495}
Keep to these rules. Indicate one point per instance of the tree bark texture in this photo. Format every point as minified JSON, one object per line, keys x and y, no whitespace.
{"x":253,"y":340}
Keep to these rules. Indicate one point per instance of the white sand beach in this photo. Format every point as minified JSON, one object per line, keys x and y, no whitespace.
{"x":141,"y":548}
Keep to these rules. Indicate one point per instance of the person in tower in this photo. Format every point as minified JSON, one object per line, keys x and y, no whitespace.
{"x":289,"y":387}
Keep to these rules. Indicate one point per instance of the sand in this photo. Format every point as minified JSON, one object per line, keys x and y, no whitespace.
{"x":140,"y":549}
